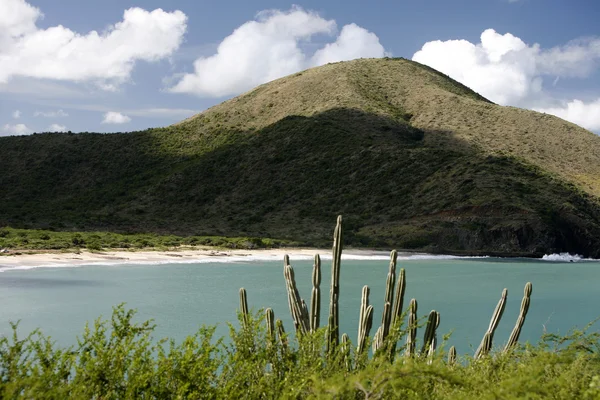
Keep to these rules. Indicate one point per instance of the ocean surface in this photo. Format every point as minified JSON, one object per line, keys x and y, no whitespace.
{"x":180,"y":297}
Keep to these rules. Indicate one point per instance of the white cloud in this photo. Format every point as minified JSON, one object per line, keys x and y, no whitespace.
{"x":57,"y":128}
{"x":16,"y":114}
{"x":106,"y":58}
{"x":508,"y":71}
{"x":113,"y":117}
{"x":578,"y":112}
{"x":17,"y":129}
{"x":353,"y":42}
{"x":51,"y":114}
{"x":271,"y":47}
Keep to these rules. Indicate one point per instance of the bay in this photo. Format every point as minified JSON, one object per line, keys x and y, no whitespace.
{"x":182,"y":297}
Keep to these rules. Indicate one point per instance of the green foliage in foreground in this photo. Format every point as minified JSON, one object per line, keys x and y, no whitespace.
{"x":118,"y":359}
{"x":34,"y":239}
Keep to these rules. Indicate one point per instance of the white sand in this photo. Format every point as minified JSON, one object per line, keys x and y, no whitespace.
{"x":176,"y":256}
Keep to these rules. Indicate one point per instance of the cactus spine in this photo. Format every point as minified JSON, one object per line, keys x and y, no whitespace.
{"x":412,"y":328}
{"x":244,"y":307}
{"x":334,"y":319}
{"x":315,"y":299}
{"x":516,"y":332}
{"x":486,"y":343}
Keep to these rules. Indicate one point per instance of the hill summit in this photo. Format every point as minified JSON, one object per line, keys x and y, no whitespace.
{"x":410,"y":157}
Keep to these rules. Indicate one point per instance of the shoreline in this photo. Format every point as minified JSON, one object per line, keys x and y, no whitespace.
{"x":85,"y":257}
{"x":57,"y":259}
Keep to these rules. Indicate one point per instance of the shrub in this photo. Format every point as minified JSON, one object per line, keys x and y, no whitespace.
{"x":119,"y":359}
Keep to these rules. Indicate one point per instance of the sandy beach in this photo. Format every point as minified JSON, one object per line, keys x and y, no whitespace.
{"x":175,"y":256}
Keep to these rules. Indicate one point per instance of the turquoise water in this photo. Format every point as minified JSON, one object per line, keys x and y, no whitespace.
{"x":181,"y":297}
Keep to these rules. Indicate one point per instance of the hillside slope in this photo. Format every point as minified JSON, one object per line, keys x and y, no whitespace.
{"x":411,"y":158}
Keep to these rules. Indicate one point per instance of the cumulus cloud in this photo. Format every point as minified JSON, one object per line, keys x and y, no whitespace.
{"x":508,"y":71}
{"x":272,"y":46}
{"x":106,"y":58}
{"x":51,"y":114}
{"x":578,"y":112}
{"x":353,"y":42}
{"x":113,"y":117}
{"x":17,"y":129}
{"x":57,"y":128}
{"x":16,"y":114}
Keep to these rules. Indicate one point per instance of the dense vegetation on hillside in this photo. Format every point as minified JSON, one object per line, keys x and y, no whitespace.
{"x":413,"y":160}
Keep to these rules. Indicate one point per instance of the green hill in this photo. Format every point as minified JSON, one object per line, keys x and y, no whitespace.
{"x":411,"y":158}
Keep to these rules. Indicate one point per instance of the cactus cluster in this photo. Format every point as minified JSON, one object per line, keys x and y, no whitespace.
{"x":308,"y":320}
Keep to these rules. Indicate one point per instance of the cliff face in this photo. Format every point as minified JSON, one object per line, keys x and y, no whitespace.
{"x":411,"y":158}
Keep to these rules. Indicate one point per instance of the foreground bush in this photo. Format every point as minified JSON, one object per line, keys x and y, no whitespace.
{"x":119,"y":359}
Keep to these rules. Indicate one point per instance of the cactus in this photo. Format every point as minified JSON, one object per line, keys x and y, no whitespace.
{"x":334,"y":320}
{"x":452,"y":356}
{"x":429,"y":339}
{"x":365,"y":320}
{"x":244,"y":307}
{"x":298,"y":307}
{"x":514,"y":336}
{"x":269,"y":317}
{"x":345,"y":349}
{"x":315,"y":299}
{"x":378,"y":339}
{"x":486,"y":343}
{"x":281,"y":333}
{"x":412,"y":328}
{"x":386,"y":317}
{"x":398,"y":304}
{"x":399,"y":300}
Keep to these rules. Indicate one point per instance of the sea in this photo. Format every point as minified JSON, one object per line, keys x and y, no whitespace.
{"x":181,"y":297}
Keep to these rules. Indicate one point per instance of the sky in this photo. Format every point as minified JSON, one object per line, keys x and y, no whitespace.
{"x":125,"y":65}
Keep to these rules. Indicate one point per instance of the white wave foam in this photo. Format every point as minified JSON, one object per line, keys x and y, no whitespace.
{"x":563,"y":257}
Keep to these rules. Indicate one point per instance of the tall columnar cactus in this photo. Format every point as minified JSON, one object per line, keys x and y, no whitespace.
{"x":345,"y":349}
{"x":516,"y":332}
{"x":399,"y":300}
{"x":315,"y":299}
{"x":270,"y":320}
{"x":244,"y":307}
{"x":398,"y":304}
{"x":411,"y":337}
{"x":452,"y":356}
{"x":281,"y":334}
{"x":429,"y":338}
{"x":298,"y":307}
{"x":365,"y":320}
{"x":334,"y":319}
{"x":386,"y":317}
{"x":486,"y":343}
{"x":377,"y":339}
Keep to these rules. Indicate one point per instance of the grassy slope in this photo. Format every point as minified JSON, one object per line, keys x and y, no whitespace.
{"x":410,"y":157}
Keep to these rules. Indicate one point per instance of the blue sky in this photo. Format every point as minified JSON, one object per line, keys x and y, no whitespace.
{"x":110,"y":66}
